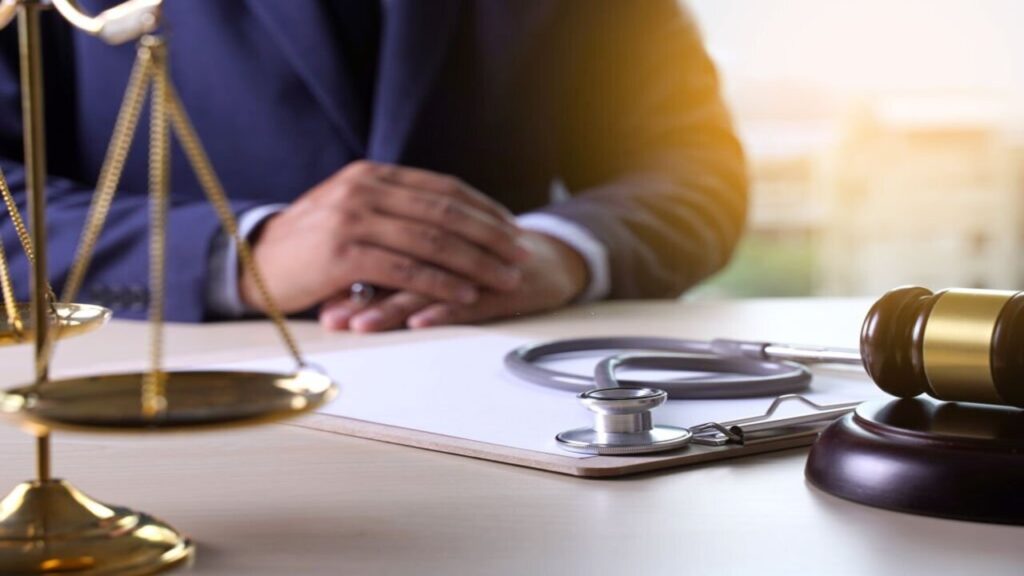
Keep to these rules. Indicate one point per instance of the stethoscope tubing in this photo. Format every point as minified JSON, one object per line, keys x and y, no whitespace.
{"x":735,"y":376}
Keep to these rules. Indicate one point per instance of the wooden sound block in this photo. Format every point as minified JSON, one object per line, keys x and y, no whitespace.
{"x":922,"y":456}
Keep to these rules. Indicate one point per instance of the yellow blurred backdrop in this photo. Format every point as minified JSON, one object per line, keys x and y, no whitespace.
{"x":884,"y":138}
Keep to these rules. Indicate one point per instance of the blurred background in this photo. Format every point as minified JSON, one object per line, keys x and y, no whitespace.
{"x":885,"y":141}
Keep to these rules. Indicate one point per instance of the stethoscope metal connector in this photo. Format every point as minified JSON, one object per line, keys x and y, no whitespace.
{"x":623,"y":424}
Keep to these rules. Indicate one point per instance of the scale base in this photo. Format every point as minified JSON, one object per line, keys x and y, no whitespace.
{"x":51,"y":528}
{"x":926,"y":457}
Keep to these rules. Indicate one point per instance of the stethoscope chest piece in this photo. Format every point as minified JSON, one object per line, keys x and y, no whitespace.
{"x":623,"y":424}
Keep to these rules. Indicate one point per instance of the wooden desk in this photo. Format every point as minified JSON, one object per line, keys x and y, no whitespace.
{"x":282,"y":500}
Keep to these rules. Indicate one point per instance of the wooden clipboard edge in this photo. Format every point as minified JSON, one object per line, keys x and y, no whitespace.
{"x":590,"y":467}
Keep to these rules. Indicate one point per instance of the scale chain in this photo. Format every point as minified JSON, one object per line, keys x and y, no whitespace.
{"x":110,"y":174}
{"x":167,"y":114}
{"x":200,"y":162}
{"x":154,"y":398}
{"x":16,"y":221}
{"x":10,"y":306}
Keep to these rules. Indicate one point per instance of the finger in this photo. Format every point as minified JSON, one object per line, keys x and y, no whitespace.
{"x":441,"y":184}
{"x":444,"y":249}
{"x":456,"y":217}
{"x":439,"y":314}
{"x":396,"y":271}
{"x":390,"y":313}
{"x":444,"y":314}
{"x":355,"y":188}
{"x":336,"y":313}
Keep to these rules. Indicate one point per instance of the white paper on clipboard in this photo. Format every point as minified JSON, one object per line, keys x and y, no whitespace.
{"x":458,"y":387}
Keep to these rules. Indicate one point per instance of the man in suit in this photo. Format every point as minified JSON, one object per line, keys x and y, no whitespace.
{"x":472,"y":159}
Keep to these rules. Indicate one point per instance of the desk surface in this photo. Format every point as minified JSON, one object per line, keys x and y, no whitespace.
{"x":286,"y":500}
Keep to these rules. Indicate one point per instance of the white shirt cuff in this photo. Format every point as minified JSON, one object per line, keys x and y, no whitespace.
{"x":222,"y":297}
{"x":594,"y":253}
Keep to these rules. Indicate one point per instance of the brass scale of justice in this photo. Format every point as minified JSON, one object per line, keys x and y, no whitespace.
{"x":46,"y":525}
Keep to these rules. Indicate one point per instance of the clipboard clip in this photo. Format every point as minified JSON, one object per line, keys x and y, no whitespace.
{"x":765,"y":428}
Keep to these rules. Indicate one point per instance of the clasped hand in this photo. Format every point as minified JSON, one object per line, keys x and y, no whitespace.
{"x":441,"y":251}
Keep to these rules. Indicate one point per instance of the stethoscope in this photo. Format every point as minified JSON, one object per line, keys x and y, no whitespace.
{"x":735,"y":368}
{"x":717,"y":369}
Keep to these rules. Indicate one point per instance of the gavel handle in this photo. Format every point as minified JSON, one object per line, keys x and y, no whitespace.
{"x":789,"y":352}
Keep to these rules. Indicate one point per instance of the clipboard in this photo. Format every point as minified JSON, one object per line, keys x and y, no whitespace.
{"x":713,"y":441}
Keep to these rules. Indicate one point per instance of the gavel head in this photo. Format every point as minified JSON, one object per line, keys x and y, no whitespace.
{"x":958,"y":345}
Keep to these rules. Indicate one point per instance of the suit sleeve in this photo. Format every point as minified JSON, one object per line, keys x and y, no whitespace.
{"x":118,"y":276}
{"x":647,"y":147}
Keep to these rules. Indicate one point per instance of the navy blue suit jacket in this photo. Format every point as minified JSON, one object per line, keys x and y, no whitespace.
{"x":616,"y":99}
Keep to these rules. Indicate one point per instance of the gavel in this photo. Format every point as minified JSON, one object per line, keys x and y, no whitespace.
{"x":958,"y":345}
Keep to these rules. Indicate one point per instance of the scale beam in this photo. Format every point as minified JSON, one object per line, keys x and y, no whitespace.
{"x":122,"y":23}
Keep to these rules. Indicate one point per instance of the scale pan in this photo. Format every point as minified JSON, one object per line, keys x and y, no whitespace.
{"x":195,"y":400}
{"x":71,"y":319}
